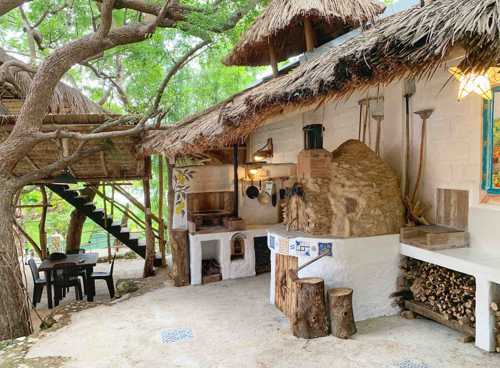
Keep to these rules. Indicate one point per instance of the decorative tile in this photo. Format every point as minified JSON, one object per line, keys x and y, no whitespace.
{"x":176,"y":335}
{"x":411,"y":363}
{"x":272,"y":242}
{"x":283,"y":246}
{"x":326,"y":247}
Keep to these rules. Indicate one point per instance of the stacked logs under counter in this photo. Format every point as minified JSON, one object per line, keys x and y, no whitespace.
{"x":495,"y":307}
{"x":447,"y":293}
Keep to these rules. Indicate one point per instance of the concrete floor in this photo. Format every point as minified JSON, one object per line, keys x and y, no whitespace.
{"x":234,"y":326}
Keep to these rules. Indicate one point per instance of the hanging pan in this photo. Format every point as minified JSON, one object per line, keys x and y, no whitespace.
{"x":252,"y":191}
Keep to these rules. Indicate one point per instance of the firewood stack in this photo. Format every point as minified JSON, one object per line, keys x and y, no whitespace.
{"x":449,"y":293}
{"x":495,"y":307}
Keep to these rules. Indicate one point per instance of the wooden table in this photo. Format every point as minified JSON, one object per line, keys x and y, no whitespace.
{"x":85,"y":261}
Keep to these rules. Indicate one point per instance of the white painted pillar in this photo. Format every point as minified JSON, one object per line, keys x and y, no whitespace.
{"x":485,"y":338}
{"x":195,"y":260}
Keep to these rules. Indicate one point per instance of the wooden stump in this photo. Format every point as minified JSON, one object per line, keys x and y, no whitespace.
{"x":308,"y":317}
{"x":341,"y":314}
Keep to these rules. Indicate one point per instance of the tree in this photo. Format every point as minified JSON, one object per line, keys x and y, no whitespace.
{"x":14,"y":309}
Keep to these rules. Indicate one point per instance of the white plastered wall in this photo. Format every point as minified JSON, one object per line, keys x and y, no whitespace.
{"x":453,"y":145}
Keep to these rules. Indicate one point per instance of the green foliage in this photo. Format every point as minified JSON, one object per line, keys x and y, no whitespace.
{"x":137,"y":68}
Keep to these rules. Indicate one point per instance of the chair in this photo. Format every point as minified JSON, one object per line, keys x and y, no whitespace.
{"x":38,"y":282}
{"x":106,"y":276}
{"x":69,"y":277}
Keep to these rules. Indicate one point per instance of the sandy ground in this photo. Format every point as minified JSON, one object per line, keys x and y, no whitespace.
{"x":234,"y":326}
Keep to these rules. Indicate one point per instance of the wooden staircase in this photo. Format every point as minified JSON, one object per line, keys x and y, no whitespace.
{"x":115,"y":228}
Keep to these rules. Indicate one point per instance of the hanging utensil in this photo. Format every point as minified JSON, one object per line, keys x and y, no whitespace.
{"x":252,"y":191}
{"x":274,"y":195}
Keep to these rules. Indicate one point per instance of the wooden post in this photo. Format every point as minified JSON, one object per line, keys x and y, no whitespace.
{"x":43,"y":219}
{"x":161,"y":225}
{"x":309,"y":319}
{"x":236,"y":183}
{"x":341,"y":313}
{"x":273,"y":60}
{"x":309,"y":35}
{"x":150,"y":240}
{"x":170,"y":200}
{"x":108,"y":235}
{"x":180,"y":257}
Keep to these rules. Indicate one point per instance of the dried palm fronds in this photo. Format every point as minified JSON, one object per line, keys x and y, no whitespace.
{"x":281,"y":25}
{"x":412,"y":43}
{"x":66,"y":100}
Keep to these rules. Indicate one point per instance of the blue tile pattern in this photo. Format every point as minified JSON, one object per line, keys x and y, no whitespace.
{"x":176,"y":335}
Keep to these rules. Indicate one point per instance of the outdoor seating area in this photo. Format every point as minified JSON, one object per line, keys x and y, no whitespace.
{"x":67,"y":271}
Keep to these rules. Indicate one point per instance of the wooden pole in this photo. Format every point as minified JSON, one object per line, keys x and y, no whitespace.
{"x":106,"y":220}
{"x":236,"y":183}
{"x":150,"y":240}
{"x":309,"y":35}
{"x":274,"y":61}
{"x":170,"y":199}
{"x":161,"y":226}
{"x":43,"y":220}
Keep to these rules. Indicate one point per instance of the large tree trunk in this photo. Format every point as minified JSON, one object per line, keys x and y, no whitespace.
{"x":15,"y":318}
{"x":76,"y":222}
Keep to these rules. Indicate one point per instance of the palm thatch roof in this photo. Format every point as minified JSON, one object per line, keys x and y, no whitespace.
{"x":412,"y":43}
{"x":66,"y":100}
{"x":120,"y":161}
{"x":282,"y":26}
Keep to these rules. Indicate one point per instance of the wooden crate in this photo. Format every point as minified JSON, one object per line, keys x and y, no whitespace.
{"x":452,"y":214}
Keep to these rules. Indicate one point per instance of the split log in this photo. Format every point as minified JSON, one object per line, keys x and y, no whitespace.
{"x":309,"y":318}
{"x":341,"y":313}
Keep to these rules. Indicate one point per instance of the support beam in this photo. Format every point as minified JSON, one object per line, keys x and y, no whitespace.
{"x":273,"y":60}
{"x":161,"y":226}
{"x":236,"y":183}
{"x":150,"y":240}
{"x":309,"y":35}
{"x":43,"y":219}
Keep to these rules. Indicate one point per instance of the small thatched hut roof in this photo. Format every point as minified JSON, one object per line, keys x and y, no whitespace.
{"x":67,"y":100}
{"x":412,"y":43}
{"x":282,"y":26}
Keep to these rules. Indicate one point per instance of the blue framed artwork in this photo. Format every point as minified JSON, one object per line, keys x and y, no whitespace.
{"x":491,"y":144}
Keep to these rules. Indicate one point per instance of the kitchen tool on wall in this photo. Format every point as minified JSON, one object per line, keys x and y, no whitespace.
{"x":264,"y":196}
{"x":252,"y":191}
{"x":274,"y":195}
{"x":409,"y":90}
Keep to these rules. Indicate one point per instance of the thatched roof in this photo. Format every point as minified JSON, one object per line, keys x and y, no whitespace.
{"x":282,"y":26}
{"x":413,"y":43}
{"x":66,"y":100}
{"x":119,"y":162}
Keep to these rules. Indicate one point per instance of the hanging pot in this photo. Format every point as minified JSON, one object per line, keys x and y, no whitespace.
{"x":264,"y":197}
{"x":252,"y":191}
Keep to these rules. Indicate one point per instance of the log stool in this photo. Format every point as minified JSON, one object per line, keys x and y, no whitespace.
{"x":308,"y":316}
{"x":341,"y":314}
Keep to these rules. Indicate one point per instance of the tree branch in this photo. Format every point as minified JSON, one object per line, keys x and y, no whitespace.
{"x":173,"y":71}
{"x":106,"y":18}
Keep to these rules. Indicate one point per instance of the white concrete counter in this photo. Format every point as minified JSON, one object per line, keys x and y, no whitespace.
{"x":370,"y":266}
{"x":484,"y":265}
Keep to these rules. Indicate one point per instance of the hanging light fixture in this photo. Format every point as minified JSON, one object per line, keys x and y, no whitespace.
{"x":65,"y":178}
{"x":473,"y":83}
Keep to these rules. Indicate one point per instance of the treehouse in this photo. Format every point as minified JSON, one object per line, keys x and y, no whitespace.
{"x":115,"y":162}
{"x":379,"y":144}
